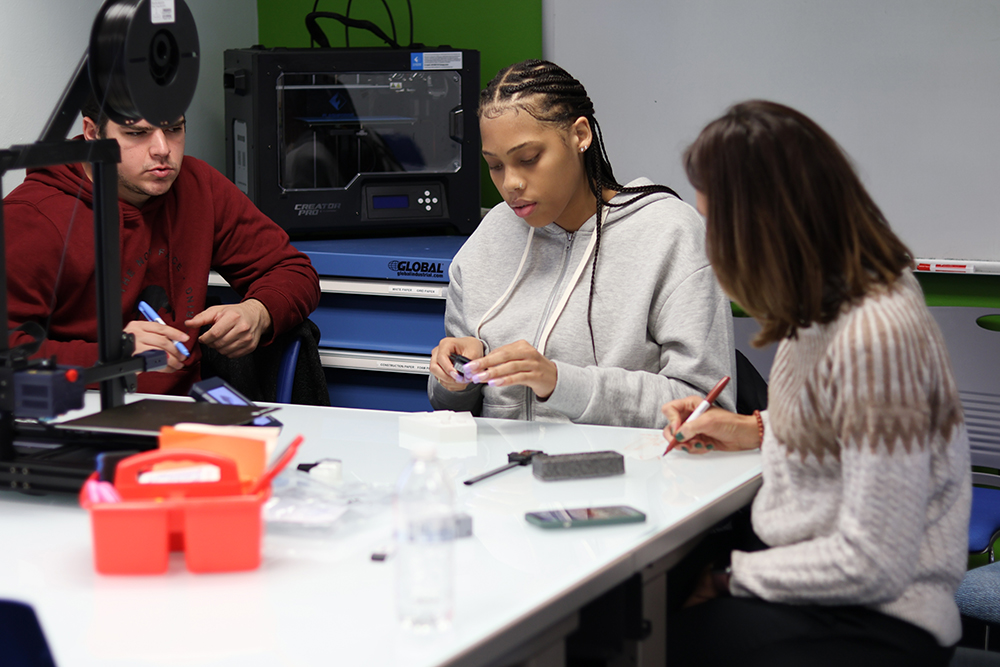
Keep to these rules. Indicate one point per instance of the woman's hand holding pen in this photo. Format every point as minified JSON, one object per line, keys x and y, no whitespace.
{"x":442,"y":367}
{"x":716,"y":429}
{"x":515,"y":364}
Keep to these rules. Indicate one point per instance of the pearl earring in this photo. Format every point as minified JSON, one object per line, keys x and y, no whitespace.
{"x":583,"y":148}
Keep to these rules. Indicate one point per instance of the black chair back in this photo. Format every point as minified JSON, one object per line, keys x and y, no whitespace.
{"x":751,"y":387}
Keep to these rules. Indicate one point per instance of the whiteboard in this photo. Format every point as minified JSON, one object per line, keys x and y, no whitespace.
{"x":909,"y":88}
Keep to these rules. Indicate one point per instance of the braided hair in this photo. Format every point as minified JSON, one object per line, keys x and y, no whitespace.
{"x":551,"y":95}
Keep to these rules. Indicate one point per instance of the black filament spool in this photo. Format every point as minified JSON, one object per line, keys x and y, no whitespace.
{"x":140,"y":69}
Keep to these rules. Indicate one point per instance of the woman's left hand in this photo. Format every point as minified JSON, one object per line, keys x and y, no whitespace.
{"x":515,"y":364}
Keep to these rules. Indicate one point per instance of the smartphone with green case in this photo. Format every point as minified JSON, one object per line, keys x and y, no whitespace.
{"x":585,"y":516}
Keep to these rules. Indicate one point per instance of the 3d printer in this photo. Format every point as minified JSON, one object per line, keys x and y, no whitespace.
{"x":356,"y":142}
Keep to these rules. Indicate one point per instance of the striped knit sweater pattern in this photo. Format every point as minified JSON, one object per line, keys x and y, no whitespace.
{"x":866,"y":490}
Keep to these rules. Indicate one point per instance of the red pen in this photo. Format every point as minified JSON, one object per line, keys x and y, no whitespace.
{"x":700,"y":410}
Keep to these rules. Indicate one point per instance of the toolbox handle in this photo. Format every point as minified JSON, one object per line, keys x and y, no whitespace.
{"x":279,"y":465}
{"x":127,"y":475}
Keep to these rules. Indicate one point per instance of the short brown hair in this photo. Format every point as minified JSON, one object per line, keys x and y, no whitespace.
{"x":792,"y":233}
{"x":92,"y":109}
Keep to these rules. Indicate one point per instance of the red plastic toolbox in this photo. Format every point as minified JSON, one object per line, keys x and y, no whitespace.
{"x":215,"y":524}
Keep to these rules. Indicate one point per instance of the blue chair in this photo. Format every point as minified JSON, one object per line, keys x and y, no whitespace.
{"x":286,"y":370}
{"x":289,"y":370}
{"x":978,"y":596}
{"x":22,"y":642}
{"x":978,"y":599}
{"x":984,"y":522}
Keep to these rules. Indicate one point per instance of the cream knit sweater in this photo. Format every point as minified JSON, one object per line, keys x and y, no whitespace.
{"x":866,"y":487}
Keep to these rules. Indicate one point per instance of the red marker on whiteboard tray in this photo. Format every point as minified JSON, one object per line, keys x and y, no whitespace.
{"x":700,"y":410}
{"x":946,"y":267}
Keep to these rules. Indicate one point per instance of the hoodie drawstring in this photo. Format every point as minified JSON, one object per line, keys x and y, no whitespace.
{"x":517,"y":274}
{"x":570,"y":286}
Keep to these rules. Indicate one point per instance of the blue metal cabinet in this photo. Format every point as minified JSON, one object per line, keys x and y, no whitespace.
{"x":378,"y":323}
{"x":380,"y":314}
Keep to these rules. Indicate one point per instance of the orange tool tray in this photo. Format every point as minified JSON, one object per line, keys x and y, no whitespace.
{"x":218,"y":525}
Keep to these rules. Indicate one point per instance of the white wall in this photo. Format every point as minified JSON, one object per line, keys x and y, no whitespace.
{"x":910,"y":88}
{"x":42,"y":41}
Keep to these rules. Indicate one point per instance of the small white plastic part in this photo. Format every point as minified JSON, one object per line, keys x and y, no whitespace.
{"x":444,"y":429}
{"x":328,"y":471}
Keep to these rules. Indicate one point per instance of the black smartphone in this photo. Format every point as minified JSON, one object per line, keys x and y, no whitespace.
{"x":217,"y":390}
{"x":459,"y":362}
{"x":585,"y":516}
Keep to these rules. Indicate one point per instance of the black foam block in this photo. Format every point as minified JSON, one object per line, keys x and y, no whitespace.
{"x":577,"y":466}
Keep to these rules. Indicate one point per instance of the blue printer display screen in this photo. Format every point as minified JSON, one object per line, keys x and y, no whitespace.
{"x":391,"y":201}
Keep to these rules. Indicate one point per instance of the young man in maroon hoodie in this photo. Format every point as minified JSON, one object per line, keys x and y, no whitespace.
{"x":177,"y":224}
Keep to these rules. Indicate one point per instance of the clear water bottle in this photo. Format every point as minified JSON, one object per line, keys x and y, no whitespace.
{"x":424,"y":522}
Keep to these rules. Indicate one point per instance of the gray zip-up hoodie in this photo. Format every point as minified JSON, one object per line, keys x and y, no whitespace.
{"x":662,"y":325}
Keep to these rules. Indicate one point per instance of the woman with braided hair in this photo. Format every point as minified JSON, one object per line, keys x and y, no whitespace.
{"x":577,"y":298}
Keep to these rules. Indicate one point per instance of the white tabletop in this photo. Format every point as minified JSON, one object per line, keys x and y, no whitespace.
{"x":318,"y":598}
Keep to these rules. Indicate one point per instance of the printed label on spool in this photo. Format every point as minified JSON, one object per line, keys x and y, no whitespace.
{"x":161,"y":11}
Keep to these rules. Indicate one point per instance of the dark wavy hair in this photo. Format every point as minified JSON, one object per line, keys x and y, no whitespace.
{"x":792,"y":233}
{"x":550,"y":95}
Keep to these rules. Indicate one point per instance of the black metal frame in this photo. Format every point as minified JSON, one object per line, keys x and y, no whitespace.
{"x":115,"y":373}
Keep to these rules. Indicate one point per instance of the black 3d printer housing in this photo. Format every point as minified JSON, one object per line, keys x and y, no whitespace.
{"x":356,"y":142}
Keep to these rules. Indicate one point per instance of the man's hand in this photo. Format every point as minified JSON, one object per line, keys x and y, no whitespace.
{"x":515,"y":363}
{"x":235,"y":330}
{"x":153,"y":336}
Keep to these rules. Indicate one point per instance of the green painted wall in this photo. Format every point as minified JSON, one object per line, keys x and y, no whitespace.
{"x":503,"y":32}
{"x":980,"y":291}
{"x":970,"y":291}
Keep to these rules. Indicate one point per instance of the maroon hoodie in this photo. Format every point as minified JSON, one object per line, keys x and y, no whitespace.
{"x":203,"y":222}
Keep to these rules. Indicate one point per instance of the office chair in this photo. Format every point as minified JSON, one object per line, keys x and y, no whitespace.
{"x":978,"y":599}
{"x":751,"y":387}
{"x":22,"y":642}
{"x":970,"y":657}
{"x":984,"y":520}
{"x":288,"y":370}
{"x":978,"y":596}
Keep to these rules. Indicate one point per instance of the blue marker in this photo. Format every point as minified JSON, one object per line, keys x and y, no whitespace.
{"x":151,"y":315}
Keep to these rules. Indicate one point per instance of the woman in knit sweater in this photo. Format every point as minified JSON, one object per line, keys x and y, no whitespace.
{"x":864,"y":507}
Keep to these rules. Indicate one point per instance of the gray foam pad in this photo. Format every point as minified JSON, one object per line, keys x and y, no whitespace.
{"x":578,"y":466}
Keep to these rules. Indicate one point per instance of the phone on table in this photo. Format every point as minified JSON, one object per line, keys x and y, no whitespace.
{"x":217,"y":390}
{"x":585,"y":516}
